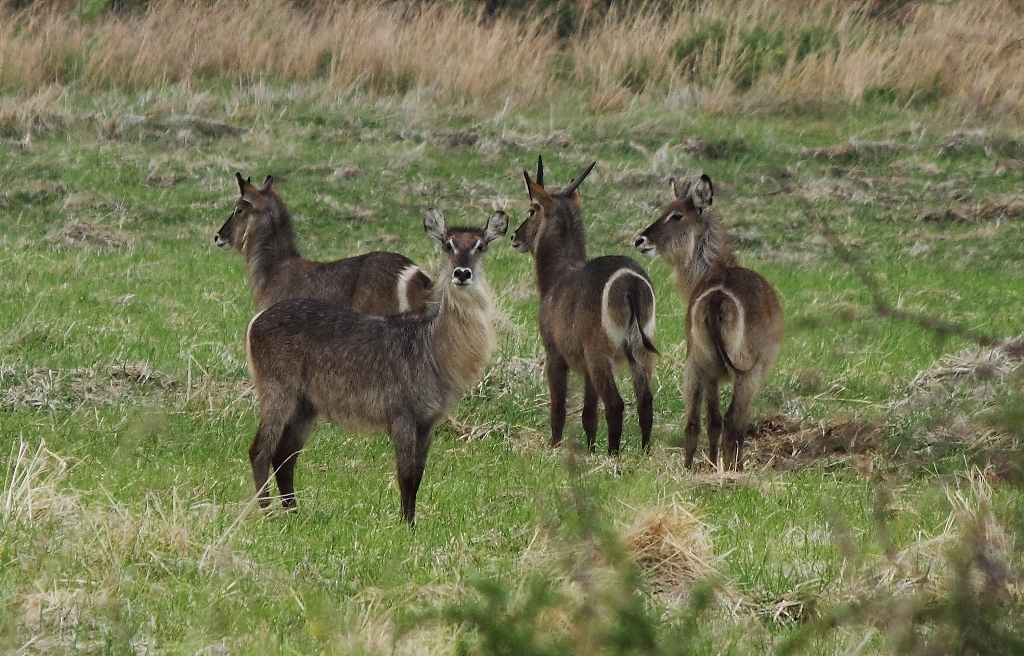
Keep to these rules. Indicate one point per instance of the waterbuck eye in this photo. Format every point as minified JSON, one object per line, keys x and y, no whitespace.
{"x":674,"y":216}
{"x":449,"y":246}
{"x":478,"y":246}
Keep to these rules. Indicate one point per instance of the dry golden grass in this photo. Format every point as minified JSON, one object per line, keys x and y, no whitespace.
{"x":672,"y":547}
{"x":431,"y":49}
{"x":925,"y":567}
{"x":753,"y":53}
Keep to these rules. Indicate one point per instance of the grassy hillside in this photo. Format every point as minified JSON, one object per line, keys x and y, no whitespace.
{"x":881,"y":500}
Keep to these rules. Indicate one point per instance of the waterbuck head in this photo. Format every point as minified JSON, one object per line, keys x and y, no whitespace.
{"x":683,"y":227}
{"x":463,"y":247}
{"x":545,"y":206}
{"x":251,"y":202}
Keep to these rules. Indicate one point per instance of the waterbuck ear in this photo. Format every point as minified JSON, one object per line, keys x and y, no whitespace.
{"x":250,"y":194}
{"x":268,"y":185}
{"x":703,"y":192}
{"x":537,"y":191}
{"x":433,"y":224}
{"x":679,"y":190}
{"x":497,"y":226}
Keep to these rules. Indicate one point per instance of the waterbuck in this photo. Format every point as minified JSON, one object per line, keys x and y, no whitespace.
{"x":260,"y":228}
{"x":594,"y":315}
{"x":400,"y":373}
{"x":733,"y":322}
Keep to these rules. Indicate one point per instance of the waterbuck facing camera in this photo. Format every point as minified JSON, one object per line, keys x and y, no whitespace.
{"x":260,"y":228}
{"x":400,"y":374}
{"x":734,"y":322}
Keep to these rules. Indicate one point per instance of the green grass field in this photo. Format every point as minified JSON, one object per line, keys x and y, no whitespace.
{"x":126,"y":409}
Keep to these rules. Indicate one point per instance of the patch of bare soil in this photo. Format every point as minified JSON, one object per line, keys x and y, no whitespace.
{"x":701,"y":148}
{"x":985,"y":211}
{"x":972,"y":399}
{"x":35,"y":191}
{"x":183,"y":127}
{"x":557,"y":139}
{"x":46,"y":389}
{"x":783,"y":444}
{"x":850,"y":151}
{"x":456,"y":139}
{"x":980,"y":142}
{"x":84,"y":234}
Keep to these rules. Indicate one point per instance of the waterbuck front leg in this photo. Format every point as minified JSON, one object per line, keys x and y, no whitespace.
{"x":604,"y":381}
{"x":557,"y":370}
{"x":589,"y":416}
{"x":641,"y":368}
{"x":411,"y":441}
{"x":293,"y":439}
{"x":693,"y":391}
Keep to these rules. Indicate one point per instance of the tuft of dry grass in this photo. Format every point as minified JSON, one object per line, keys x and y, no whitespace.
{"x":166,"y":533}
{"x":85,"y":234}
{"x":32,"y":487}
{"x":973,"y":364}
{"x":672,"y":547}
{"x":926,"y":568}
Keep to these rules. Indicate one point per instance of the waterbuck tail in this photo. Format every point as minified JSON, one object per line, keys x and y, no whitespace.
{"x":641,"y":308}
{"x":721,"y":315}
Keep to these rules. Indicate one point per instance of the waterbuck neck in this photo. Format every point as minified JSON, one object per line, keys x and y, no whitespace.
{"x":266,"y":244}
{"x":561,"y":247}
{"x":459,"y":322}
{"x":708,"y":252}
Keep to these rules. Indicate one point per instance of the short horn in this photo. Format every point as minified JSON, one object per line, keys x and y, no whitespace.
{"x":578,"y":181}
{"x":540,"y":171}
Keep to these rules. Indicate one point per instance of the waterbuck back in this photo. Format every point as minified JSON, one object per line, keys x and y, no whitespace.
{"x":734,"y":323}
{"x":595,"y":315}
{"x":260,"y":228}
{"x":398,"y":373}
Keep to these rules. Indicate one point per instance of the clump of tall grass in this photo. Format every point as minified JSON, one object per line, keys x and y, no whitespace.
{"x":958,"y":592}
{"x":731,"y":55}
{"x":385,"y":48}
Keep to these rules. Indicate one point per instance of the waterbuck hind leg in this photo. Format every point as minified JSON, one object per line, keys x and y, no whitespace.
{"x":693,"y":391}
{"x":293,"y":439}
{"x":737,"y":416}
{"x":263,"y":446}
{"x":714,"y":420}
{"x":604,"y":382}
{"x":641,"y":367}
{"x":277,"y":407}
{"x":558,"y":380}
{"x":590,"y":413}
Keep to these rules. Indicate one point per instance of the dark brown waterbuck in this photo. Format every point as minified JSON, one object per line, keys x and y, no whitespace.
{"x":594,"y":315}
{"x":734,"y":323}
{"x":260,"y":228}
{"x":398,"y":373}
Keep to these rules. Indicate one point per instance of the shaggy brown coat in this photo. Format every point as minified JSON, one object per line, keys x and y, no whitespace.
{"x":734,"y":323}
{"x":594,"y":315}
{"x":398,"y":373}
{"x":260,"y":228}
